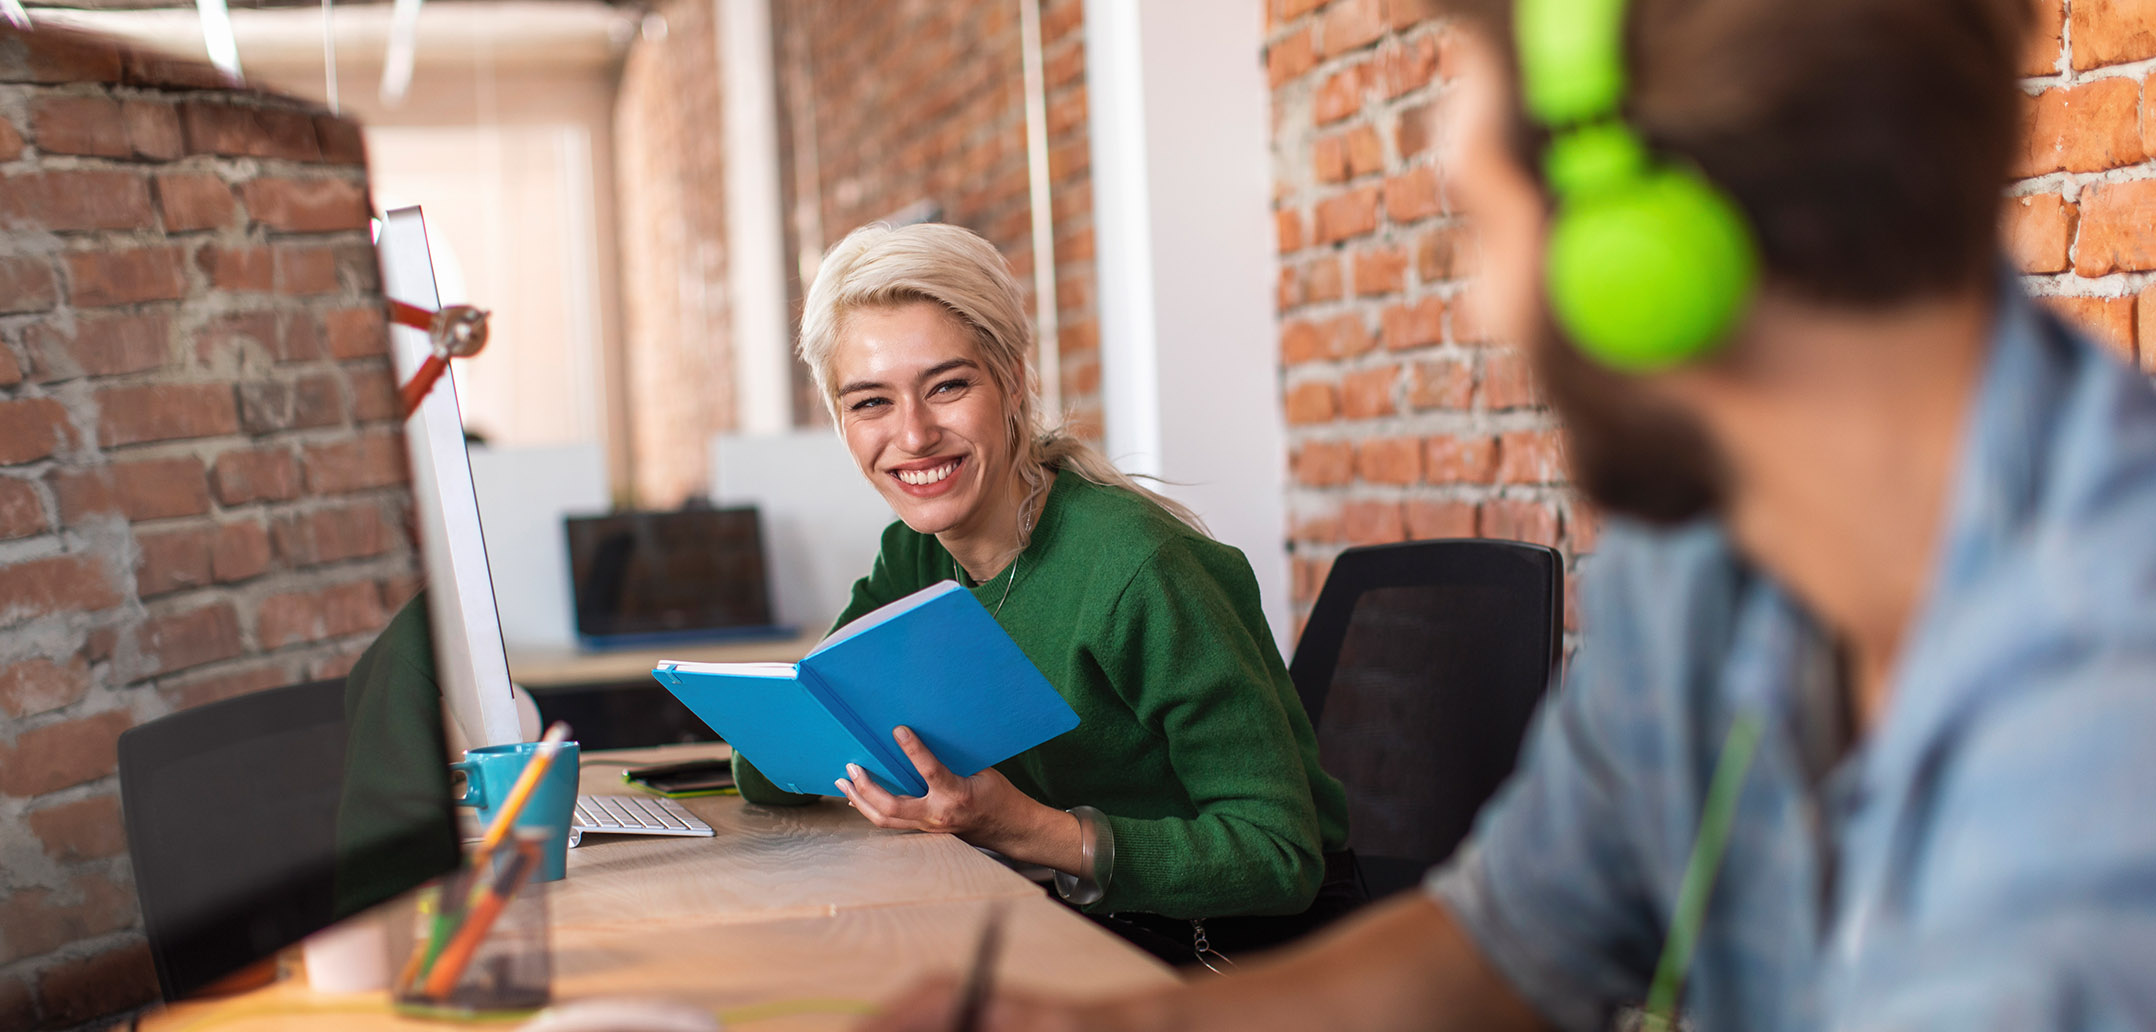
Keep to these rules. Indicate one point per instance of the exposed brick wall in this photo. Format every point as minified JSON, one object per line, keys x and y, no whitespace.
{"x":2081,"y":215}
{"x":1404,"y":421}
{"x":202,"y":478}
{"x":676,"y":326}
{"x":926,"y":102}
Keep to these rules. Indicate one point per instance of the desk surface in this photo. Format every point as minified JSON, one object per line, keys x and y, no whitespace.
{"x":554,"y":668}
{"x":788,"y":920}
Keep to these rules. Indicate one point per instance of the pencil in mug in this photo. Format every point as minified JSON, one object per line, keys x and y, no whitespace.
{"x":480,"y":918}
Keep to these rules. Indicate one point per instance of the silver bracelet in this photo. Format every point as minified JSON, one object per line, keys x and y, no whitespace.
{"x":1096,"y":859}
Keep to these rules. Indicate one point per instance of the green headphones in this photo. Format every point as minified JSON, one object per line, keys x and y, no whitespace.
{"x":1649,"y":264}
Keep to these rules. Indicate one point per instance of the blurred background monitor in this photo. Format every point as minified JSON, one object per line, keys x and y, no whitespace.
{"x":656,"y":577}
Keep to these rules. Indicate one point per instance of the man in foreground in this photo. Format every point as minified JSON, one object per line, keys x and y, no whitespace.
{"x":1867,"y":503}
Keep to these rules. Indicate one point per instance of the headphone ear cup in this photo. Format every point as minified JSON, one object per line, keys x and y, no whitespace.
{"x":1651,"y":273}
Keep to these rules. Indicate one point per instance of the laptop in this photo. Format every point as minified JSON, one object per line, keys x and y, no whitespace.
{"x":646,"y":579}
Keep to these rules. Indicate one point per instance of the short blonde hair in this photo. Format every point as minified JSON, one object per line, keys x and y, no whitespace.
{"x":880,"y":266}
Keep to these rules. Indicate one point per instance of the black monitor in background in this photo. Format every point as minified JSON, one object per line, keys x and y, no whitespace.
{"x":653,"y":578}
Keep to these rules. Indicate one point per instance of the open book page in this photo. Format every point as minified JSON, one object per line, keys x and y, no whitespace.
{"x":885,"y":613}
{"x":780,"y":670}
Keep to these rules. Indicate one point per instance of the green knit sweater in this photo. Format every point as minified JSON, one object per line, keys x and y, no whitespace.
{"x":1191,"y":739}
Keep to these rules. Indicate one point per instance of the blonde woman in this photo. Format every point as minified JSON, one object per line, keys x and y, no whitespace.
{"x":1188,"y":802}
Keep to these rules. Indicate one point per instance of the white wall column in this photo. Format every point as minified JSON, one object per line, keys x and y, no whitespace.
{"x":755,"y":248}
{"x":1182,"y":170}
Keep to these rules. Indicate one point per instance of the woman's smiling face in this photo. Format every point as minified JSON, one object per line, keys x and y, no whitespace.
{"x":924,"y":420}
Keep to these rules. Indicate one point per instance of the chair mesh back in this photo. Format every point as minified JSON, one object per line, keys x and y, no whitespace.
{"x":1432,"y":686}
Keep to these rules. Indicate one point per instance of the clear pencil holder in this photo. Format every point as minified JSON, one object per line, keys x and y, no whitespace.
{"x":506,"y":969}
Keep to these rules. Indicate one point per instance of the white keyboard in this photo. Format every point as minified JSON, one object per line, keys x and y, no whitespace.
{"x":632,"y":815}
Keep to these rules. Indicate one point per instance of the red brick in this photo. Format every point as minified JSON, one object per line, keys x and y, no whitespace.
{"x":1325,"y":464}
{"x":149,"y":68}
{"x":179,"y":641}
{"x":1584,"y":527}
{"x":31,"y":429}
{"x":1351,"y":214}
{"x":41,"y":920}
{"x":1350,"y":24}
{"x":75,"y":200}
{"x":305,"y":270}
{"x":2112,"y":32}
{"x":1372,"y":523}
{"x":299,"y":339}
{"x":1288,"y":231}
{"x":1443,"y":254}
{"x":1414,"y":324}
{"x":125,"y":277}
{"x":27,"y":285}
{"x":1315,"y":402}
{"x":349,"y":532}
{"x":241,"y":551}
{"x":2086,"y":128}
{"x":10,"y":368}
{"x":319,"y":615}
{"x":1079,"y":377}
{"x":341,"y":141}
{"x":99,"y":345}
{"x":2108,"y":321}
{"x":62,"y":57}
{"x":1389,"y":460}
{"x":1380,"y":271}
{"x":1530,"y":457}
{"x":18,"y":1004}
{"x":238,"y":339}
{"x":265,"y":474}
{"x":10,"y":149}
{"x":241,"y":269}
{"x":1329,"y":158}
{"x":1369,"y":394}
{"x":374,"y":460}
{"x":1323,"y":526}
{"x":1365,"y":152}
{"x":1293,"y":9}
{"x":36,"y":686}
{"x":1288,"y":292}
{"x":1322,"y":281}
{"x":22,"y":513}
{"x":2038,"y":230}
{"x":1340,"y":96}
{"x":1310,"y":576}
{"x":153,"y":129}
{"x":1508,"y":381}
{"x":1406,"y":65}
{"x":231,"y":129}
{"x":174,"y":560}
{"x":83,"y":494}
{"x":1459,"y":460}
{"x":2145,"y":327}
{"x":374,"y":391}
{"x":268,"y":406}
{"x":306,"y":205}
{"x":1441,"y":385}
{"x":1520,"y":520}
{"x":164,"y":412}
{"x":87,"y":829}
{"x":1429,"y":518}
{"x":1415,"y":129}
{"x":1301,"y":341}
{"x":1348,"y":336}
{"x":2118,"y":228}
{"x":56,"y":756}
{"x":157,"y":489}
{"x":1289,"y":58}
{"x":79,"y":125}
{"x":107,"y":983}
{"x":194,"y":200}
{"x":1413,"y":195}
{"x":2046,"y":43}
{"x":189,"y":691}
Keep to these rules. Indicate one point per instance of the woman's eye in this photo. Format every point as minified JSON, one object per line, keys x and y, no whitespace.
{"x":948,"y":386}
{"x":866,"y":404}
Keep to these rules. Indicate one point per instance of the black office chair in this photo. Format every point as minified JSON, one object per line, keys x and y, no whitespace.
{"x":230,"y":811}
{"x":1420,"y":668}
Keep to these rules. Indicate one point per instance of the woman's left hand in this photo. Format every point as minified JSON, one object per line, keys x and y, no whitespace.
{"x":984,"y":810}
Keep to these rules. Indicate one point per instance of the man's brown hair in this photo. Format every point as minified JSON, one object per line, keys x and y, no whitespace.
{"x":1866,"y":140}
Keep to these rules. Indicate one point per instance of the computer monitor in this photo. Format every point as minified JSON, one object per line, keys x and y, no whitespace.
{"x":470,"y":661}
{"x":649,"y":578}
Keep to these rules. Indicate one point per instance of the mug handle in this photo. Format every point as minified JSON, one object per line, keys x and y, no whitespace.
{"x":475,"y":790}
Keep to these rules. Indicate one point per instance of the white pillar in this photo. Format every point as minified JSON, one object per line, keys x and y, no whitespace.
{"x":1182,"y":172}
{"x":755,"y":248}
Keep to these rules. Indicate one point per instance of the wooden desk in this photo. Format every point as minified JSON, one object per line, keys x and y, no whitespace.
{"x":556,"y":668}
{"x":789,"y":920}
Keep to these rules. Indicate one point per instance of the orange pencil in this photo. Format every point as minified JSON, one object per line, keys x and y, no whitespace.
{"x":521,"y":792}
{"x":479,"y":919}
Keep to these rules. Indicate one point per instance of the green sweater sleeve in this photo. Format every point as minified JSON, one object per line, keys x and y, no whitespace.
{"x":883,"y":584}
{"x":1196,"y":663}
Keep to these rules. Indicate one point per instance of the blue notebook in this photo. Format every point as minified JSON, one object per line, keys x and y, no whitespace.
{"x":934,"y":661}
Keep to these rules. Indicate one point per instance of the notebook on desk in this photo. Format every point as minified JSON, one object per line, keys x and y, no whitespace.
{"x":934,"y":661}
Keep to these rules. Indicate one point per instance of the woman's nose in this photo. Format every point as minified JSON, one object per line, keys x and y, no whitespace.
{"x":919,"y":433}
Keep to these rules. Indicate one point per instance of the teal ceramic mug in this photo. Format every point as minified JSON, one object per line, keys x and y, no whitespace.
{"x":489,"y":774}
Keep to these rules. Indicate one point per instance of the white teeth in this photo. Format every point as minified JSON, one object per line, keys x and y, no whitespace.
{"x":921,"y":477}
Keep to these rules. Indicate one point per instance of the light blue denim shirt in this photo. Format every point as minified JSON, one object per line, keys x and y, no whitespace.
{"x":1984,"y":859}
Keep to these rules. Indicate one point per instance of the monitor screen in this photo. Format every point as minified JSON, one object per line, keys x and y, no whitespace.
{"x":662,"y":574}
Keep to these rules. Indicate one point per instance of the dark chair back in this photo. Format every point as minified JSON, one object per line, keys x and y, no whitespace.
{"x":231,"y":815}
{"x":1420,"y":667}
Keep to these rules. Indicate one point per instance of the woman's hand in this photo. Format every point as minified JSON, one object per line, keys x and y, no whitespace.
{"x":985,"y":810}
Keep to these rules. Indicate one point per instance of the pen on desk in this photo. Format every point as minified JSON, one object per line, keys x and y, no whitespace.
{"x":479,"y":919}
{"x":973,"y":997}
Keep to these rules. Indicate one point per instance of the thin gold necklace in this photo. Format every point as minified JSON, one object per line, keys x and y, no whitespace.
{"x":1026,"y":519}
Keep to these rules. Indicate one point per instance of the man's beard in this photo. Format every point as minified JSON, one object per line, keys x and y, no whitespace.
{"x":1630,"y":454}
